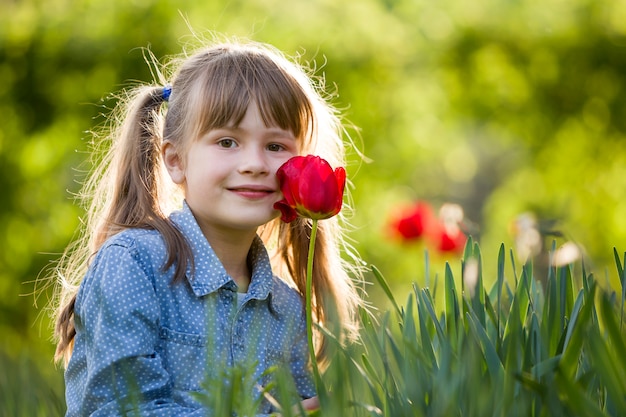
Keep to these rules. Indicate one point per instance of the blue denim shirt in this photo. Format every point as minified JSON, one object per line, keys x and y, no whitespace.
{"x":145,"y":343}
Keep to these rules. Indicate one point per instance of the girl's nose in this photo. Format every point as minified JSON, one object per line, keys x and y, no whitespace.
{"x":254,"y":162}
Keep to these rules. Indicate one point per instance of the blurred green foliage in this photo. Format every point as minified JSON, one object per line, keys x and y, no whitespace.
{"x":502,"y":107}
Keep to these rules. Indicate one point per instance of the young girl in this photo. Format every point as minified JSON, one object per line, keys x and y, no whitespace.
{"x":153,"y":302}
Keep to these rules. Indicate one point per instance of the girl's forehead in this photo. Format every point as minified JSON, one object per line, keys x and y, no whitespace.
{"x":279,"y":110}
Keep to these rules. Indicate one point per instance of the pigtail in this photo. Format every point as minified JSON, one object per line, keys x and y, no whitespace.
{"x":137,"y":198}
{"x":124,"y":190}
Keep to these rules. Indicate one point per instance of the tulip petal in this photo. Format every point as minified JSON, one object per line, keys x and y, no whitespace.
{"x":288,"y":214}
{"x":287,"y":176}
{"x":340,"y":176}
{"x":314,"y":188}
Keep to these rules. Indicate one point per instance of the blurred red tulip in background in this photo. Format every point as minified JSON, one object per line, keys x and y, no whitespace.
{"x":418,"y":221}
{"x":410,"y":223}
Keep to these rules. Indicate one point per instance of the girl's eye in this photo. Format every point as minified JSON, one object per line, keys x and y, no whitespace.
{"x":275,"y":147}
{"x":227,"y":143}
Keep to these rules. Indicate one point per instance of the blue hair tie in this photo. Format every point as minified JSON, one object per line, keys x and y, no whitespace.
{"x":167,"y":92}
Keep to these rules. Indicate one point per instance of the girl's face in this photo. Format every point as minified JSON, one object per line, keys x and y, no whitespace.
{"x":229,"y":174}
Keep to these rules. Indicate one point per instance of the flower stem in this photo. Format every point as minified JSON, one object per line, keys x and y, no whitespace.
{"x":309,"y":306}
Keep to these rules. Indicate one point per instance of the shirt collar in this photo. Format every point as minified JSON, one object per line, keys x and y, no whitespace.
{"x":208,"y":274}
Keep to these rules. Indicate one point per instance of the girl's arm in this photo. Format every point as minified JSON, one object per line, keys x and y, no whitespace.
{"x":115,"y":366}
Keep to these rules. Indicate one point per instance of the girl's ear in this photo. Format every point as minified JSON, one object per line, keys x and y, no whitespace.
{"x":173,"y":162}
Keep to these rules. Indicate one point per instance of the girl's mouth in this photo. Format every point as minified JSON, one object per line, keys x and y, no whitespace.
{"x":252,"y":192}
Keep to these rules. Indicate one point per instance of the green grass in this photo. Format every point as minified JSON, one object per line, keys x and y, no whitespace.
{"x":503,"y":351}
{"x":28,"y":388}
{"x":515,"y":349}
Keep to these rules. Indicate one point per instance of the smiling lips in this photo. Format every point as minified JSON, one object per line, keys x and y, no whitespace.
{"x":254,"y":192}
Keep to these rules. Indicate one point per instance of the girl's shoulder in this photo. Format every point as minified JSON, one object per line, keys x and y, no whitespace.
{"x":145,"y":245}
{"x":137,"y":252}
{"x":136,"y":238}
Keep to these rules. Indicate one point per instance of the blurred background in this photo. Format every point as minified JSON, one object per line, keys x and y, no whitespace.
{"x":514,"y":111}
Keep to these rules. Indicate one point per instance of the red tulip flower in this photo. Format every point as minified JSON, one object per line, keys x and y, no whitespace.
{"x":447,"y":234}
{"x":449,"y":239}
{"x":310,"y":188}
{"x":419,"y":221}
{"x":412,"y":222}
{"x":313,"y":190}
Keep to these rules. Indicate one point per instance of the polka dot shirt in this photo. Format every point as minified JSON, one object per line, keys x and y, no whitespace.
{"x":145,"y":344}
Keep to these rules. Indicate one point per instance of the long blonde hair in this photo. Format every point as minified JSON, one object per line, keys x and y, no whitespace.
{"x":209,"y":89}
